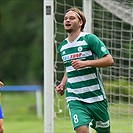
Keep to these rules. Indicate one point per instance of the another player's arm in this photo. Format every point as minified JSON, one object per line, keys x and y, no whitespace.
{"x":61,"y":87}
{"x":1,"y":84}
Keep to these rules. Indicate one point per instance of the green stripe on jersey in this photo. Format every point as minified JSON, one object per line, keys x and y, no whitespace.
{"x":83,"y":71}
{"x":85,"y":95}
{"x":88,"y":83}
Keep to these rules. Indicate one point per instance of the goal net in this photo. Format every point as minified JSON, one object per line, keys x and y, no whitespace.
{"x":112,"y":22}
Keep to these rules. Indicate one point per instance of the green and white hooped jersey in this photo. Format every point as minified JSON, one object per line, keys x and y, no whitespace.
{"x":83,"y":84}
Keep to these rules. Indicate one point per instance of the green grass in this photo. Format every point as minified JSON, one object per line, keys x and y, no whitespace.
{"x":117,"y":126}
{"x":20,"y":113}
{"x":121,"y":121}
{"x":20,"y":116}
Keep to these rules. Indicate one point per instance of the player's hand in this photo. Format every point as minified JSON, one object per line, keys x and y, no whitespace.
{"x":1,"y":84}
{"x":78,"y":64}
{"x":60,"y":89}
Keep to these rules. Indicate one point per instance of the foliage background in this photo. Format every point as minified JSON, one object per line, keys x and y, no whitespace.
{"x":21,"y":42}
{"x":21,"y":62}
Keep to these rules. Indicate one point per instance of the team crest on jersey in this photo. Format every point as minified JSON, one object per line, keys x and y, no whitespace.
{"x":103,"y":49}
{"x":80,"y":49}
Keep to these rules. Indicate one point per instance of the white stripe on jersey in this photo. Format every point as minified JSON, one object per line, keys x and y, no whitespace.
{"x":82,"y":78}
{"x":80,"y":55}
{"x":73,"y":44}
{"x":84,"y":89}
{"x":70,"y":69}
{"x":87,"y":100}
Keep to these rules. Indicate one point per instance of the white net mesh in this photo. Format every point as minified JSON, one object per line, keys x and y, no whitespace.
{"x":112,"y":22}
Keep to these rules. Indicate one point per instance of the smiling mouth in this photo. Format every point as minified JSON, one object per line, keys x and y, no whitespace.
{"x":67,"y":24}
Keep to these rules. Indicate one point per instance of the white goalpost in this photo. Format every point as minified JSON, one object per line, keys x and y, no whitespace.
{"x":112,"y":22}
{"x":48,"y":67}
{"x":87,"y":9}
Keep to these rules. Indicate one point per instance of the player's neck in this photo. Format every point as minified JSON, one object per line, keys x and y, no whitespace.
{"x":72,"y":36}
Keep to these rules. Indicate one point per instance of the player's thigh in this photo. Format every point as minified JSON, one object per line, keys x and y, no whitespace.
{"x":82,"y":129}
{"x":79,"y":114}
{"x":101,"y":121}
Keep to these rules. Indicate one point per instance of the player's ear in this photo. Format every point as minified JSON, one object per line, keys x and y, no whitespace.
{"x":81,"y":22}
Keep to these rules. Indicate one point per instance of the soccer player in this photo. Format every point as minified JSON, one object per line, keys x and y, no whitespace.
{"x":1,"y":114}
{"x":83,"y":55}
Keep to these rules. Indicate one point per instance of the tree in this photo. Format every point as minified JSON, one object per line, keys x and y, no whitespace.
{"x":21,"y":42}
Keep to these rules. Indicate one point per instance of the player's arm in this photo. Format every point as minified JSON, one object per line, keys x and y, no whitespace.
{"x":105,"y":61}
{"x":1,"y":84}
{"x":61,"y":87}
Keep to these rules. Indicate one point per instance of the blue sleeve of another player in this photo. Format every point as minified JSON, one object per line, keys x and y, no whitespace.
{"x":1,"y":112}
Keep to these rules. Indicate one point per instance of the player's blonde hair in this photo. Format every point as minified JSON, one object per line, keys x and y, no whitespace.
{"x":80,"y":15}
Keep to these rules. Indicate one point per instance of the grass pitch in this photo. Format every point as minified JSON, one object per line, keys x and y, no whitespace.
{"x":20,"y":113}
{"x":20,"y":116}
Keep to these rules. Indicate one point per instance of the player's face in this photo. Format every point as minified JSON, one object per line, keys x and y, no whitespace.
{"x":71,"y":22}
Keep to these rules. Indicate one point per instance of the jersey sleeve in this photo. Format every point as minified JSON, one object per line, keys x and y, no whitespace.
{"x":97,"y":46}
